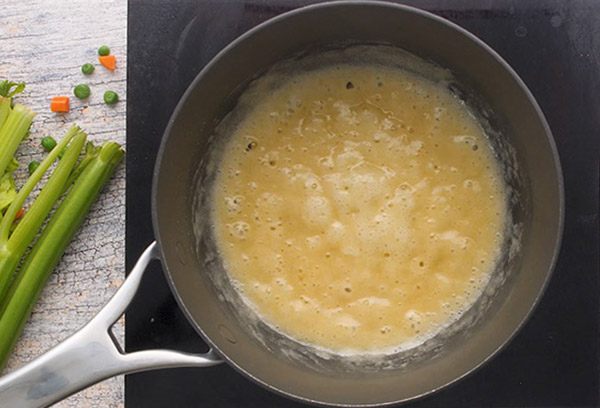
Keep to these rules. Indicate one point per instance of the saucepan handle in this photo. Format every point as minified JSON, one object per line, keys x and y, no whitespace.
{"x":92,"y":355}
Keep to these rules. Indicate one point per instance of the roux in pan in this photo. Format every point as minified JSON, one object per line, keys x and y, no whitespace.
{"x":359,"y":208}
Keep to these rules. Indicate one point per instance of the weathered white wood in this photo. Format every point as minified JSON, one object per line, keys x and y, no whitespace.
{"x":44,"y":43}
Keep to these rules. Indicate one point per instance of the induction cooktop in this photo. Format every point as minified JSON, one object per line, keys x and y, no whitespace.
{"x":554,"y":46}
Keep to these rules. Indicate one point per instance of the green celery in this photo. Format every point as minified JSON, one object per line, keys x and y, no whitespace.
{"x":91,"y":151}
{"x":14,"y":246}
{"x":50,"y":246}
{"x":12,"y":133}
{"x":28,"y":227}
{"x":10,"y":137}
{"x":4,"y":109}
{"x":8,"y":189}
{"x":10,"y":88}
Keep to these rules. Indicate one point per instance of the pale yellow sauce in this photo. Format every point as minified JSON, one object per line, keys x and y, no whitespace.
{"x":359,"y":208}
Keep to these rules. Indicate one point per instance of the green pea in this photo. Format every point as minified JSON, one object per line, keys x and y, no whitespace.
{"x":87,"y":68}
{"x":104,"y":50}
{"x":62,"y":153}
{"x":32,"y":166}
{"x":110,"y":97}
{"x":82,"y":91}
{"x":48,"y":143}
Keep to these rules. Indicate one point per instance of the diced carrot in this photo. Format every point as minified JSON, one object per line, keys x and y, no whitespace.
{"x":108,"y":61}
{"x":59,"y":104}
{"x":19,"y":214}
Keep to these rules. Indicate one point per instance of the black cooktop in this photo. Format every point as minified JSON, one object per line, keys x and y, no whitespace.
{"x":553,"y":45}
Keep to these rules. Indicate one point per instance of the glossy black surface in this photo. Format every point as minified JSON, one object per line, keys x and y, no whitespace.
{"x":555,"y":48}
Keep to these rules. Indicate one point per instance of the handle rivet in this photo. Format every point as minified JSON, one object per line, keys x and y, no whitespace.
{"x":227,"y":334}
{"x":181,"y":252}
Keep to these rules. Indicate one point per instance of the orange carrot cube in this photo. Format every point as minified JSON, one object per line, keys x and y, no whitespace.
{"x":59,"y":104}
{"x":109,"y":61}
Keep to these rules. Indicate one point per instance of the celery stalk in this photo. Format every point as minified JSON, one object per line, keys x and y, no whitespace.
{"x":12,"y":248}
{"x":13,"y":132}
{"x":28,"y":227}
{"x":4,"y":109}
{"x":50,"y":246}
{"x":91,"y":151}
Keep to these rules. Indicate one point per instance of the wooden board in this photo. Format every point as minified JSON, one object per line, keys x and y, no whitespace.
{"x":44,"y":43}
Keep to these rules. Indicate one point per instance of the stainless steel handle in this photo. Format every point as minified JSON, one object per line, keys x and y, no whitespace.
{"x":92,"y":355}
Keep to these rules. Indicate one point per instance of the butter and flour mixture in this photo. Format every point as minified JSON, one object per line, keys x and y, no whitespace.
{"x":358,"y":208}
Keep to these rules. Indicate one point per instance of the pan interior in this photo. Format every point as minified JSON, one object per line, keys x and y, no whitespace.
{"x":375,"y":363}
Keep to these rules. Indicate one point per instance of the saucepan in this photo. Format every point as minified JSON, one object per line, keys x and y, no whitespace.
{"x":517,"y":131}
